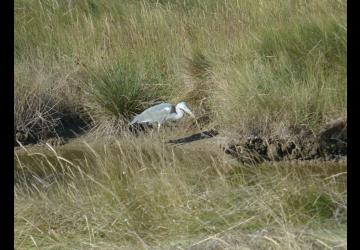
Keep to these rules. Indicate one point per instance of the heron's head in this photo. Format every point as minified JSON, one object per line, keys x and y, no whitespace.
{"x":184,"y":107}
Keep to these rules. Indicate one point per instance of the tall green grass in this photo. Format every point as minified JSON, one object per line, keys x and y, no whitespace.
{"x":122,"y":90}
{"x":294,"y":72}
{"x":266,"y":61}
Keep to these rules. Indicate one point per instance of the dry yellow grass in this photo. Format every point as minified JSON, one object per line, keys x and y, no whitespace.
{"x":140,"y":193}
{"x":241,"y":65}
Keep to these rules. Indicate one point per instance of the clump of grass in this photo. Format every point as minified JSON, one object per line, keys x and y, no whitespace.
{"x":295,"y":75}
{"x":120,"y":90}
{"x":36,"y":116}
{"x":44,"y":105}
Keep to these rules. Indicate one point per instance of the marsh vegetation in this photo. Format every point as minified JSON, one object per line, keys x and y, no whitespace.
{"x":84,"y":68}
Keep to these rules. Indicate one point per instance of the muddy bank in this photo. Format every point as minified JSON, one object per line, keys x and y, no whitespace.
{"x":67,"y":127}
{"x":299,"y":144}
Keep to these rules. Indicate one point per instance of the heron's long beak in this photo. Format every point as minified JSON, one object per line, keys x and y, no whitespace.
{"x":189,"y":112}
{"x":193,"y":116}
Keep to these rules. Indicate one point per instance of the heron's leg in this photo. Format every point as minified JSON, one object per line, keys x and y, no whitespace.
{"x":159,"y":125}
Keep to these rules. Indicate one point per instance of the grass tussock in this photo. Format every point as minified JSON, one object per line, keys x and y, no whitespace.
{"x":122,"y":90}
{"x":138,"y":193}
{"x":289,"y":77}
{"x":45,"y":103}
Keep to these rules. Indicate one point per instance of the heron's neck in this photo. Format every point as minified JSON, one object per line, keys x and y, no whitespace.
{"x":179,"y":113}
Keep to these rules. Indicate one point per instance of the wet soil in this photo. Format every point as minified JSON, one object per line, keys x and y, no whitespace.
{"x":69,"y":126}
{"x":300,"y":144}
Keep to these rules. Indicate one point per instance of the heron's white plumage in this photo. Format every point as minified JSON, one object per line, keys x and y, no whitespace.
{"x":161,"y":113}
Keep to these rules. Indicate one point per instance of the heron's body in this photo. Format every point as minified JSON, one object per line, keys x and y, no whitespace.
{"x":162,"y":113}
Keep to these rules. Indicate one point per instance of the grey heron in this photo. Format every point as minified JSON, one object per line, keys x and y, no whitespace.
{"x":162,"y":113}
